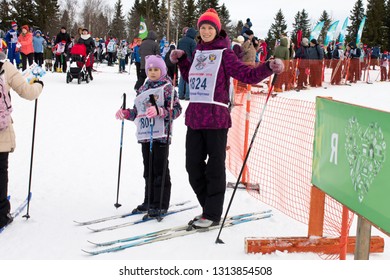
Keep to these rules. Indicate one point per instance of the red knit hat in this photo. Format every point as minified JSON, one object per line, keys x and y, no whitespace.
{"x":13,"y":24}
{"x":26,"y":27}
{"x":210,"y":17}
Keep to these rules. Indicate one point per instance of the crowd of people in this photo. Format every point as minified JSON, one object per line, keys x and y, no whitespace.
{"x":205,"y":65}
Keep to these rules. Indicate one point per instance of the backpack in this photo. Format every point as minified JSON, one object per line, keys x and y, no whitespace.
{"x":5,"y":104}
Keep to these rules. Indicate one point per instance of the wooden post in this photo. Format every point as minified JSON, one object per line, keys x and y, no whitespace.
{"x":246,"y":136}
{"x":344,"y":234}
{"x":363,"y":237}
{"x":316,"y":216}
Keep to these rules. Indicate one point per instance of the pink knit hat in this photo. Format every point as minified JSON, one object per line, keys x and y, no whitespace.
{"x":155,"y":61}
{"x":210,"y":17}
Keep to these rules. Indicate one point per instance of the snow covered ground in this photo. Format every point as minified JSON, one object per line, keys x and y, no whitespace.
{"x":75,"y":177}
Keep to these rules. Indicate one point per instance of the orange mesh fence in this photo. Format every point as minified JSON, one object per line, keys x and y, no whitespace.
{"x":280,"y":162}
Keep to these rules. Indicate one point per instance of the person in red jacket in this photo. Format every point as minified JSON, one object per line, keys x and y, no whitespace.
{"x":25,"y":40}
{"x":208,"y":116}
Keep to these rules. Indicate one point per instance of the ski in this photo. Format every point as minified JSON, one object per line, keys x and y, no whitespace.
{"x":132,"y":213}
{"x":143,"y":220}
{"x":172,"y":229}
{"x":18,"y":210}
{"x":244,"y":186}
{"x":176,"y":234}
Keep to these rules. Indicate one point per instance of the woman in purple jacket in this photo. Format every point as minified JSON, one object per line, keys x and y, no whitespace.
{"x":207,"y":116}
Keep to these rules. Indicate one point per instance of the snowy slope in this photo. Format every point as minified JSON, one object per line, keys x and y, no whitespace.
{"x":75,"y":177}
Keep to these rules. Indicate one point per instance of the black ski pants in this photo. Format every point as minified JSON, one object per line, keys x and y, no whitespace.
{"x":141,"y":79}
{"x":4,"y":203}
{"x":158,"y":159}
{"x":205,"y":164}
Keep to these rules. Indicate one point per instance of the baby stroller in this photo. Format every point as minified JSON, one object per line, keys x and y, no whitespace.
{"x":78,"y":64}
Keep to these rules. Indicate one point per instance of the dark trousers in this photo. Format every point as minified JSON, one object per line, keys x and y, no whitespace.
{"x":315,"y":78}
{"x":337,"y":66}
{"x":158,"y":161}
{"x":25,"y":58}
{"x":4,"y":203}
{"x":302,"y":77}
{"x":60,"y":62}
{"x":138,"y":69}
{"x":38,"y":58}
{"x":207,"y":178}
{"x":141,"y":80}
{"x":354,"y":70}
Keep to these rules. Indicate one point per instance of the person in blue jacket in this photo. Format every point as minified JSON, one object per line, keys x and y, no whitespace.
{"x":11,"y":38}
{"x":39,"y":43}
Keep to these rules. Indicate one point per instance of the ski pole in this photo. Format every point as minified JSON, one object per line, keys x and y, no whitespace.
{"x":150,"y":171}
{"x":218,"y":240}
{"x":27,"y":215}
{"x":117,"y":205}
{"x":165,"y":168}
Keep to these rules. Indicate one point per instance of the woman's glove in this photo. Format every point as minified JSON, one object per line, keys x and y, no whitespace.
{"x":151,"y":112}
{"x":276,"y":65}
{"x":175,"y":55}
{"x":122,"y":114}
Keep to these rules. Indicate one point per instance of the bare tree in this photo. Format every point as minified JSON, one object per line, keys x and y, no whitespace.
{"x":70,"y":6}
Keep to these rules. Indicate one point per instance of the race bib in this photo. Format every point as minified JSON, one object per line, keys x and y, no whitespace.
{"x":203,"y":76}
{"x":143,"y":123}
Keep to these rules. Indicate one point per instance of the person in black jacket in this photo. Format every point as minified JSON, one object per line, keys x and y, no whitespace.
{"x":354,"y":67}
{"x":86,"y":39}
{"x":63,"y":36}
{"x":302,"y":57}
{"x":149,"y":46}
{"x":172,"y":69}
{"x":316,"y":55}
{"x":337,"y":64}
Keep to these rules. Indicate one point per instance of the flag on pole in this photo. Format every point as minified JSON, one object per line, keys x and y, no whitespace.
{"x":316,"y":31}
{"x":342,"y":32}
{"x":359,"y":34}
{"x":331,"y":32}
{"x":143,"y":29}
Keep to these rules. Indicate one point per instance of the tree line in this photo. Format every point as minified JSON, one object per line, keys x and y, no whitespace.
{"x":105,"y":21}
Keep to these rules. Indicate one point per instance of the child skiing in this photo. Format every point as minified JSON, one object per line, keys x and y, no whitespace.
{"x":152,"y":122}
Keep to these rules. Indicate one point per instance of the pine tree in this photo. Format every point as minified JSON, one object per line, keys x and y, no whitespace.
{"x":178,"y":15}
{"x":163,"y":23}
{"x":355,"y":18}
{"x":386,"y":43}
{"x":69,"y":7}
{"x":133,"y":19}
{"x":101,"y":26}
{"x":47,"y":15}
{"x":5,"y":15}
{"x":202,"y":6}
{"x":301,"y":22}
{"x":225,"y":21}
{"x":23,"y":12}
{"x":118,"y":23}
{"x":375,"y":29}
{"x":327,"y":21}
{"x":277,"y":28}
{"x":189,"y":14}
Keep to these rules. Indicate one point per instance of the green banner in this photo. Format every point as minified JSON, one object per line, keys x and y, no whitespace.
{"x":350,"y":158}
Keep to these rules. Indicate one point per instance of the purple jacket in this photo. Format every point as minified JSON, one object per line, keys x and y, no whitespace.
{"x":211,"y":116}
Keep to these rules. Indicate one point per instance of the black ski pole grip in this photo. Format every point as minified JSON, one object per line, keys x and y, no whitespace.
{"x":124,"y":101}
{"x":153,"y":101}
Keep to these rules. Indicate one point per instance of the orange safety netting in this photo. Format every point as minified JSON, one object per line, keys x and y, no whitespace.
{"x":280,"y":161}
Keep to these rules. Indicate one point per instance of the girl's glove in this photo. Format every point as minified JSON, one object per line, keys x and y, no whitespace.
{"x":122,"y":114}
{"x":151,"y":112}
{"x":175,"y":55}
{"x":276,"y":65}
